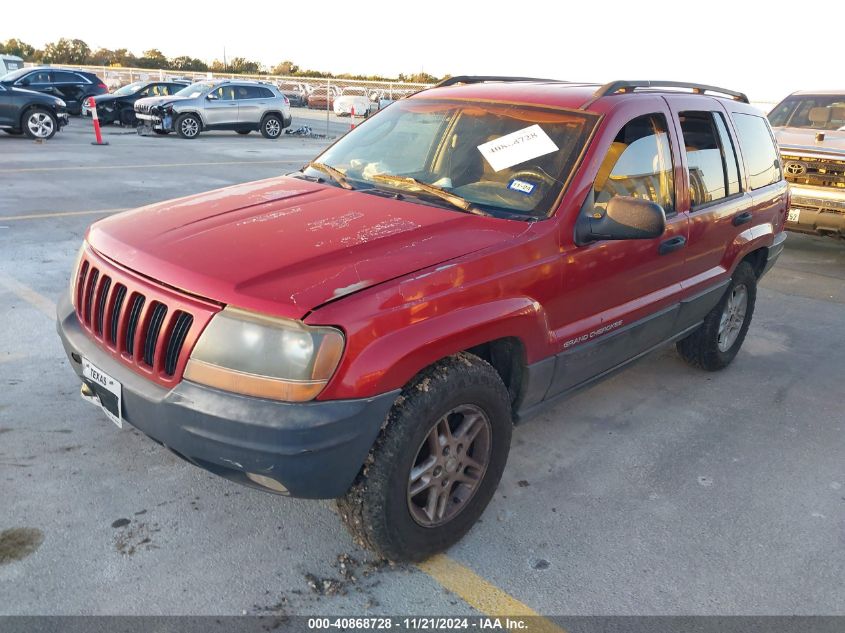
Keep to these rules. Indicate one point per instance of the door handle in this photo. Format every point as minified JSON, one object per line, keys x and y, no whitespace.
{"x":672,"y":244}
{"x":742,"y":218}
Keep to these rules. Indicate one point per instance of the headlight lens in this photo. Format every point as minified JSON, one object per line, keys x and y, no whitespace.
{"x":257,"y":355}
{"x":74,"y":275}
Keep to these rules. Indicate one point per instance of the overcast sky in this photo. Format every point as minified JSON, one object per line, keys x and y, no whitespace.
{"x":751,"y":46}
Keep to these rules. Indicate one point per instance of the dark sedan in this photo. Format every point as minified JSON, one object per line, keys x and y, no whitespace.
{"x":35,"y":114}
{"x":119,"y":106}
{"x":71,"y":86}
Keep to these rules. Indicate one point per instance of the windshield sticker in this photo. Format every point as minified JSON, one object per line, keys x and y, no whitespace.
{"x":517,"y":147}
{"x":521,"y":186}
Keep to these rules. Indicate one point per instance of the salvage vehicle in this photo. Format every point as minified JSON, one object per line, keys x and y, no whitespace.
{"x":810,"y":129}
{"x":351,"y":100}
{"x":296,"y":93}
{"x":371,"y":327}
{"x":35,"y":114}
{"x":225,"y":104}
{"x":71,"y":86}
{"x":119,"y":106}
{"x":322,"y":98}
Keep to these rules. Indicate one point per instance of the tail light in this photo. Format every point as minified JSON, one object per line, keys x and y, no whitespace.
{"x":103,"y":86}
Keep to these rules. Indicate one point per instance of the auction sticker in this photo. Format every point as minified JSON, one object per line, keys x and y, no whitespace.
{"x":517,"y":147}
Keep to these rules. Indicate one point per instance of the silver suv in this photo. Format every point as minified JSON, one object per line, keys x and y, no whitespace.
{"x":225,"y":104}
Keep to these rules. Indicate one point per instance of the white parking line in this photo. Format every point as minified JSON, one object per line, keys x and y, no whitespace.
{"x":33,"y":298}
{"x":60,"y":214}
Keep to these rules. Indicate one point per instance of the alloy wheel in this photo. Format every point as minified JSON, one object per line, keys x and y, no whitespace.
{"x":449,"y":465}
{"x":190,"y":127}
{"x":40,"y":124}
{"x":733,"y":316}
{"x":272,"y":127}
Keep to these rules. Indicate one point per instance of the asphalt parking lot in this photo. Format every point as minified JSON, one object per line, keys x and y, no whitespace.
{"x":664,"y":490}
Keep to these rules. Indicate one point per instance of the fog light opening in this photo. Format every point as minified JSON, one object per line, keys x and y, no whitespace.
{"x":267,"y":482}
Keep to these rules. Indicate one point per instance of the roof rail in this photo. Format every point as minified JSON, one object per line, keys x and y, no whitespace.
{"x":615,"y":87}
{"x":477,"y":79}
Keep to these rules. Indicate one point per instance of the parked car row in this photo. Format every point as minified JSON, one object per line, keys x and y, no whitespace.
{"x":239,"y":105}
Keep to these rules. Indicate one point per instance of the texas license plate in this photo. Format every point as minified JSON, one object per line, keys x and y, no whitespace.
{"x":107,"y":391}
{"x":793,"y":215}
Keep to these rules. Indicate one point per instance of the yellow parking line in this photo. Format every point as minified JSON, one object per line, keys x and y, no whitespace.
{"x":59,"y":214}
{"x":480,"y":594}
{"x":21,"y":170}
{"x":36,"y":300}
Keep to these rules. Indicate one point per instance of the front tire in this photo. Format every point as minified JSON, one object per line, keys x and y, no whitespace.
{"x":436,"y":464}
{"x":188,"y":126}
{"x":243,"y":132}
{"x":13,"y":132}
{"x":271,"y":126}
{"x":40,"y":124}
{"x":716,"y":343}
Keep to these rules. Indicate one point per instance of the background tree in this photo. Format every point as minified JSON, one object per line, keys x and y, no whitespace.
{"x":286,"y":68}
{"x":14,"y":46}
{"x":185,"y":62}
{"x":108,"y":57}
{"x":152,"y":58}
{"x":245,"y":66}
{"x":66,"y":51}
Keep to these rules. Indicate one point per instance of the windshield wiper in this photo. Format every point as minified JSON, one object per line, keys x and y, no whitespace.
{"x":412,"y":183}
{"x":338,"y":176}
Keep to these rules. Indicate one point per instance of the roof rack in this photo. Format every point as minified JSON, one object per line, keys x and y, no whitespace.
{"x":615,"y":87}
{"x":477,"y":79}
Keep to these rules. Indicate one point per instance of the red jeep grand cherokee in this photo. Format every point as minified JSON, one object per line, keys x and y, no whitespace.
{"x":371,"y":327}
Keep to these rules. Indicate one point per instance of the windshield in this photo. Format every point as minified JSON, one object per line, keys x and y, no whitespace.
{"x":194,"y":90}
{"x":130,"y":89}
{"x":817,"y":112}
{"x":500,"y":158}
{"x":15,"y":74}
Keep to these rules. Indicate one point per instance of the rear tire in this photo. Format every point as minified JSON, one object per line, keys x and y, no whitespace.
{"x":188,"y":126}
{"x":14,"y":132}
{"x":716,"y":343}
{"x":40,"y":124}
{"x":271,"y":126}
{"x":436,"y":464}
{"x":162,"y":132}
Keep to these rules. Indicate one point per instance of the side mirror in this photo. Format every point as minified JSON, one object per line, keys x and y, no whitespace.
{"x":211,"y":96}
{"x":625,"y":218}
{"x":25,"y":81}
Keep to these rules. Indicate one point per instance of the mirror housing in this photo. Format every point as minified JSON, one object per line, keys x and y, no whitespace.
{"x":211,"y":96}
{"x":626,"y":218}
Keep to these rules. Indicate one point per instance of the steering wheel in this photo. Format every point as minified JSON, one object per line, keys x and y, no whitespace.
{"x":535,"y":175}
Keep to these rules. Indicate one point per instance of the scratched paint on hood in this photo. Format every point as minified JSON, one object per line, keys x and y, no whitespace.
{"x":285,"y":246}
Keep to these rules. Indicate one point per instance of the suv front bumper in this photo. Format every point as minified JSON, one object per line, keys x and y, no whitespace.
{"x":314,"y":449}
{"x":817,"y":210}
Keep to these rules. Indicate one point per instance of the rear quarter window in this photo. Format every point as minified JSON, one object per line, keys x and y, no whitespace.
{"x":762,"y":161}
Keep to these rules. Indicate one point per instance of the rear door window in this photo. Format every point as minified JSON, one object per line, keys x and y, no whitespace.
{"x":713,"y":172}
{"x":61,"y":77}
{"x":758,"y":149}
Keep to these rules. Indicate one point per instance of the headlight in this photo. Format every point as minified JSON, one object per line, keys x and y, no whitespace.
{"x":262,"y":356}
{"x":60,"y":103}
{"x":74,"y":275}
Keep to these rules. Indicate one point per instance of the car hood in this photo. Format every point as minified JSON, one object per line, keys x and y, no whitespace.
{"x":804,"y":140}
{"x":285,"y":246}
